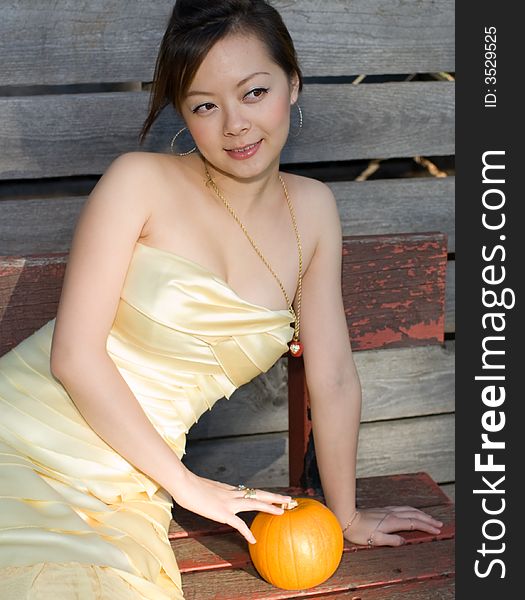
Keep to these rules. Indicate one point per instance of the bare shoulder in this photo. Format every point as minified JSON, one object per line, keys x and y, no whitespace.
{"x":316,"y":205}
{"x":133,"y":166}
{"x":136,"y":178}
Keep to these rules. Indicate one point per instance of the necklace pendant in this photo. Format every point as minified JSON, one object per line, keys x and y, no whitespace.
{"x":296,"y":348}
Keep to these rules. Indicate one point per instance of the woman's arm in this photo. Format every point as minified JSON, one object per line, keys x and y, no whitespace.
{"x":335,"y":390}
{"x":109,"y":225}
{"x":332,"y":379}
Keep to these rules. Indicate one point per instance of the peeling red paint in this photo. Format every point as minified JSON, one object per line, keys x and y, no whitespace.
{"x":394,"y":305}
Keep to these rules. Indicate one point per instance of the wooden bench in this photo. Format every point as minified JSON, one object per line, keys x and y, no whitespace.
{"x":377,"y":94}
{"x":393,"y":290}
{"x":215,"y":563}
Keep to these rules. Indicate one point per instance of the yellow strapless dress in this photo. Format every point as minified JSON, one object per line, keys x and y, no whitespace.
{"x":76,"y":519}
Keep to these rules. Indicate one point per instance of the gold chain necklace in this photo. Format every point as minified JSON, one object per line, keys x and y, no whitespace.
{"x":296,"y":347}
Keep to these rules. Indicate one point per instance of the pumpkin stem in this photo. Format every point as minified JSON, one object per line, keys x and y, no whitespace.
{"x":290,"y":505}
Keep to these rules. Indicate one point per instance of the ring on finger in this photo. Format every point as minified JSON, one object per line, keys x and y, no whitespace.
{"x":250,"y":493}
{"x":241,"y":487}
{"x":370,"y":540}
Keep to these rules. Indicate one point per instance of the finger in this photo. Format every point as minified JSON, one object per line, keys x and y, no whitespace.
{"x":248,"y":504}
{"x":408,"y":512}
{"x":397,"y":523}
{"x":242,"y":528}
{"x":268,"y":497}
{"x":386,"y":539}
{"x":410,"y":509}
{"x":421,"y":517}
{"x":273,"y":498}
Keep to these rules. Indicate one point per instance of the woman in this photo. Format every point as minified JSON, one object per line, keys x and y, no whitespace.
{"x":177,"y":291}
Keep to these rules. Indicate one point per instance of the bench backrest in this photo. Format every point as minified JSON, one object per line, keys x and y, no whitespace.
{"x":73,"y":95}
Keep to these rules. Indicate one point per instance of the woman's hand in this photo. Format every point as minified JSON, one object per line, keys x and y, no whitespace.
{"x":221,"y":502}
{"x":374,"y":526}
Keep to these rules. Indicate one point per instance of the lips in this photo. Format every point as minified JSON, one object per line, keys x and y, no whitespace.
{"x":244,"y":152}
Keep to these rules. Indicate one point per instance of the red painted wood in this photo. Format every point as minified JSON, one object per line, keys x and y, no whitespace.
{"x":300,"y":424}
{"x":431,"y":589}
{"x":218,"y":566}
{"x":394,"y":289}
{"x":358,"y":571}
{"x":231,"y":549}
{"x":215,"y":562}
{"x":29,"y":292}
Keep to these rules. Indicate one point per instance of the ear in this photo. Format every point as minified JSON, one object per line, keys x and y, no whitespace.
{"x":294,"y":88}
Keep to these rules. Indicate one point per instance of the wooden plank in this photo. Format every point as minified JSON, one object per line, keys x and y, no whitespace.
{"x":386,"y":447}
{"x":117,"y":40}
{"x":428,"y":589}
{"x":407,"y":382}
{"x":397,"y":206}
{"x":422,"y":376}
{"x":423,"y":443}
{"x":391,"y":284}
{"x":230,"y":549}
{"x":46,"y":224}
{"x":44,"y":134}
{"x":29,"y":293}
{"x":393,"y":289}
{"x":38,"y":225}
{"x":412,"y":489}
{"x":357,"y":571}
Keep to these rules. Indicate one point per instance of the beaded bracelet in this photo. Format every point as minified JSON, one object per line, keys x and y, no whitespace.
{"x":352,"y":518}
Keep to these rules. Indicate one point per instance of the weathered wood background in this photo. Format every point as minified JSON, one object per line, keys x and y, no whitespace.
{"x":73,"y":97}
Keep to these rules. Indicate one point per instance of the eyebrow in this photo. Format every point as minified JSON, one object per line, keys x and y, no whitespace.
{"x":242,"y":82}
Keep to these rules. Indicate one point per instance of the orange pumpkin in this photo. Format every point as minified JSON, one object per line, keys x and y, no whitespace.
{"x":300,"y":548}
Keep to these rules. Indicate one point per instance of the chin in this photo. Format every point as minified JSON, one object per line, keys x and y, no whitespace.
{"x":247,"y":168}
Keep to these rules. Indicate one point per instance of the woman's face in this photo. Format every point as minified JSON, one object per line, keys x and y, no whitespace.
{"x":238,"y":107}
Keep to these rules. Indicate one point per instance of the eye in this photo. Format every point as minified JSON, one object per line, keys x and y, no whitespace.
{"x":203,"y":108}
{"x":257,"y":93}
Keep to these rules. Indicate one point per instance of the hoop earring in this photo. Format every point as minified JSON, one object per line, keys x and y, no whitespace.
{"x":298,"y":133}
{"x":173,"y":142}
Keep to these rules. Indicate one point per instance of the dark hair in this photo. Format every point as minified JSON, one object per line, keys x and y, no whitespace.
{"x":194,"y":27}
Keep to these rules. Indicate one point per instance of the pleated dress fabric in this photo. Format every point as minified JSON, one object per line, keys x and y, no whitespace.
{"x":76,"y":519}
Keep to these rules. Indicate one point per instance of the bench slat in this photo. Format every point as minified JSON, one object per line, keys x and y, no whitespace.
{"x":382,"y":206}
{"x":357,"y":571}
{"x":402,"y":119}
{"x":430,"y":589}
{"x":393,"y":289}
{"x":230,"y":549}
{"x":118,"y":40}
{"x":29,"y":293}
{"x":30,"y":289}
{"x":385,"y":447}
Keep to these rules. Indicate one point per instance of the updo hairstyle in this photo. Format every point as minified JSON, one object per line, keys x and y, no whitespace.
{"x":194,"y":27}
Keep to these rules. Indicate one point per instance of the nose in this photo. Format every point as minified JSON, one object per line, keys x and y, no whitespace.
{"x":236,"y":122}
